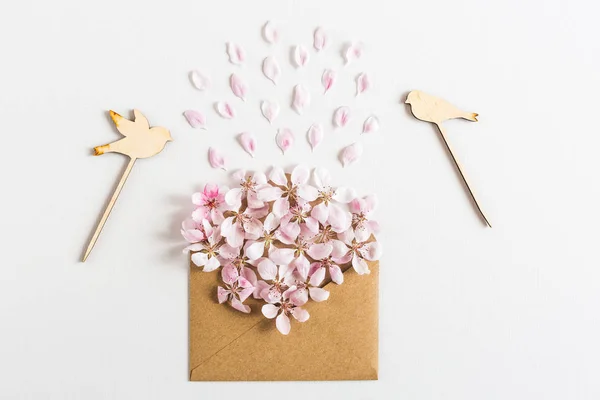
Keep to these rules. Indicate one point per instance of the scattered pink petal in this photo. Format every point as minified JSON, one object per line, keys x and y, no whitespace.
{"x":351,"y":153}
{"x":371,"y":125}
{"x":225,"y":110}
{"x":237,"y":55}
{"x":199,"y":80}
{"x":195,"y":118}
{"x":315,"y":135}
{"x":238,"y":86}
{"x":363,"y":82}
{"x":270,"y":33}
{"x":320,"y":39}
{"x":248,"y":142}
{"x":270,"y":110}
{"x":352,"y":52}
{"x":341,"y":116}
{"x":301,"y":56}
{"x":284,"y":139}
{"x":271,"y":69}
{"x":301,"y":98}
{"x":216,"y":159}
{"x":328,"y":79}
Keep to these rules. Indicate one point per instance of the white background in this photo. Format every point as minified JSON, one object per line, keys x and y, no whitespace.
{"x":466,"y":312}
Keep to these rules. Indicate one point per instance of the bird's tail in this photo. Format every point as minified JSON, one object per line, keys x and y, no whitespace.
{"x":99,"y":150}
{"x":471,"y":116}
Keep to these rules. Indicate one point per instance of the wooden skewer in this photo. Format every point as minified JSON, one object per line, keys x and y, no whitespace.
{"x":109,"y":208}
{"x":462,"y":174}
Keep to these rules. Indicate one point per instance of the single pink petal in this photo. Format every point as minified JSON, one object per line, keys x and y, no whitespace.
{"x":300,"y":174}
{"x":320,"y":251}
{"x":341,"y":116}
{"x":269,"y":110}
{"x":277,"y":175}
{"x":301,"y":56}
{"x":371,"y":251}
{"x":281,"y":207}
{"x":271,"y":222}
{"x":317,"y":277}
{"x":267,"y":269}
{"x":222,"y":294}
{"x":339,"y":219}
{"x":318,"y":294}
{"x":260,"y":286}
{"x":238,"y":305}
{"x":270,"y":310}
{"x":300,"y":314}
{"x":236,"y":236}
{"x":315,"y":135}
{"x":271,"y":69}
{"x":371,"y":125}
{"x":307,"y":192}
{"x":225,"y":110}
{"x":336,"y":274}
{"x":301,"y":98}
{"x":229,"y":274}
{"x":322,"y":177}
{"x":234,"y":197}
{"x":238,"y":86}
{"x":320,"y":212}
{"x":248,"y":142}
{"x":236,"y":54}
{"x":299,"y":297}
{"x":287,"y":234}
{"x":282,"y":256}
{"x":284,"y":139}
{"x":216,"y":159}
{"x":363,"y":83}
{"x":346,"y":236}
{"x":283,"y":324}
{"x":320,"y":39}
{"x":351,"y":153}
{"x":362,"y":233}
{"x":360,"y":265}
{"x":339,"y":248}
{"x":255,"y":250}
{"x":270,"y":33}
{"x":195,"y":118}
{"x":199,"y":80}
{"x":269,"y":193}
{"x":328,"y":79}
{"x":352,"y":52}
{"x":199,"y":259}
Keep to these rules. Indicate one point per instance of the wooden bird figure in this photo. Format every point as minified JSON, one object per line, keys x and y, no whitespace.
{"x":140,"y":141}
{"x":435,"y":110}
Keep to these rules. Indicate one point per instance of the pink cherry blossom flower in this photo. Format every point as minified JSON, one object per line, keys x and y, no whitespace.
{"x":360,"y":251}
{"x":361,"y":210}
{"x":265,"y":241}
{"x":244,"y":225}
{"x":307,"y":284}
{"x":276,"y":280}
{"x":193,"y":231}
{"x":207,"y":252}
{"x":285,"y":308}
{"x":248,"y":190}
{"x":295,"y":255}
{"x":298,"y":220}
{"x":211,"y":201}
{"x":328,"y":212}
{"x":285,"y":192}
{"x":236,"y":290}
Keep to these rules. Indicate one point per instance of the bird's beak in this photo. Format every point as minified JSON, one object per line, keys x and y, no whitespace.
{"x":407,"y":102}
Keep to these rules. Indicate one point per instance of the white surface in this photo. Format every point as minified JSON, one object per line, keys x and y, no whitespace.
{"x":466,"y":312}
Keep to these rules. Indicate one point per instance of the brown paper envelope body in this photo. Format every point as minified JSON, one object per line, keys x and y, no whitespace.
{"x":338,"y":342}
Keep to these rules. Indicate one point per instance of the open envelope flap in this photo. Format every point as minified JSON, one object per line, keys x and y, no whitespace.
{"x":338,"y":342}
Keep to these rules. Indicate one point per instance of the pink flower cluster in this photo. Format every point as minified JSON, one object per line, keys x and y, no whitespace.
{"x":278,"y":240}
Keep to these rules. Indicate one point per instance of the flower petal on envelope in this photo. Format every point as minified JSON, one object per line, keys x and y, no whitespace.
{"x":341,"y":116}
{"x":270,"y":110}
{"x":336,"y":274}
{"x":229,"y":274}
{"x":318,"y":294}
{"x":283,"y":324}
{"x":225,"y":110}
{"x":199,"y":80}
{"x":284,"y":139}
{"x":255,"y":251}
{"x":216,"y":159}
{"x":371,"y":251}
{"x":299,"y":297}
{"x":317,"y":277}
{"x":269,"y":193}
{"x":339,"y":219}
{"x":363,"y":83}
{"x":320,"y":39}
{"x":315,"y":135}
{"x":301,"y":56}
{"x":238,"y":86}
{"x":277,"y":175}
{"x":301,"y":98}
{"x":271,"y":69}
{"x":195,"y":118}
{"x":371,"y":125}
{"x":271,"y":222}
{"x":248,"y":142}
{"x":300,"y":174}
{"x":307,"y":192}
{"x":300,"y":314}
{"x":267,"y":269}
{"x":270,"y":310}
{"x":237,"y":55}
{"x":211,"y":265}
{"x":282,"y":256}
{"x":320,"y":251}
{"x":199,"y":259}
{"x":320,"y":212}
{"x":238,"y":305}
{"x":351,"y":153}
{"x":270,"y":33}
{"x":281,"y":207}
{"x":328,"y":79}
{"x":360,"y":266}
{"x":222,"y":294}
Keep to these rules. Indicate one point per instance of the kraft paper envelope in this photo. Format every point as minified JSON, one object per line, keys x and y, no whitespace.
{"x":338,"y":342}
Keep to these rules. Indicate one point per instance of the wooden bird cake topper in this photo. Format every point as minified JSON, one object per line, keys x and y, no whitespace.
{"x":140,"y":141}
{"x":435,"y":110}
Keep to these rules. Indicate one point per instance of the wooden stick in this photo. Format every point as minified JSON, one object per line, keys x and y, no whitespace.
{"x":109,"y":208}
{"x":462,"y":175}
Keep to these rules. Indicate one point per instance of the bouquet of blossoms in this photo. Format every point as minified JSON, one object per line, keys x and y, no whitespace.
{"x":281,"y":239}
